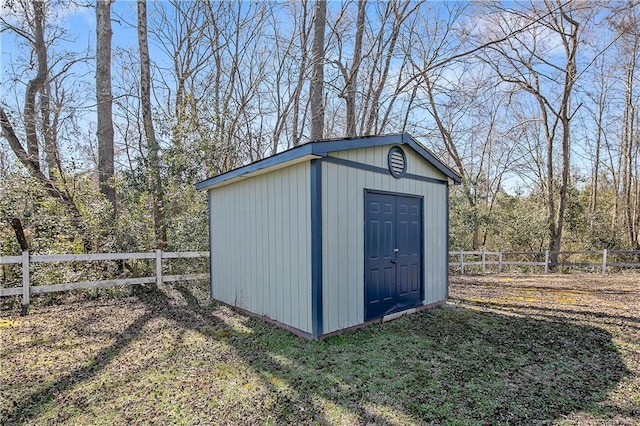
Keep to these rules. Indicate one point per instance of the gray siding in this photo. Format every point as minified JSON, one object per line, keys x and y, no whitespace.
{"x":377,"y":156}
{"x":261,"y":245}
{"x":343,"y":231}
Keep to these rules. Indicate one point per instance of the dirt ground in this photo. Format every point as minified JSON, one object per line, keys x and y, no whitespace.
{"x":614,"y":299}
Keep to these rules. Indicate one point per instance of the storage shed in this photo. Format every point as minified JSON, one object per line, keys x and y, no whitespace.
{"x":332,"y":234}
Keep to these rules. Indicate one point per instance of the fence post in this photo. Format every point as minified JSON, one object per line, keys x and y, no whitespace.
{"x":26,"y":290}
{"x":158,"y":267}
{"x":604,"y":262}
{"x":461,"y":257}
{"x":500,"y":262}
{"x":484,"y":257}
{"x":546,"y":261}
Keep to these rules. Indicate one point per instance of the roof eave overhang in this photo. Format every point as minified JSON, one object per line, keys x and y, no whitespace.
{"x":321,"y":149}
{"x":256,"y":169}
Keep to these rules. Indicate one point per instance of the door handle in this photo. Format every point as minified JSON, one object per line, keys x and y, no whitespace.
{"x":395,"y":256}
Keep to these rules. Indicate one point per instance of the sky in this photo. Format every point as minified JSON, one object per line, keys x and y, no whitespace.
{"x":79,"y":22}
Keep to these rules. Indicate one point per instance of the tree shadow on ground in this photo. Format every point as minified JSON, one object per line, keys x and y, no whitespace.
{"x":439,"y":366}
{"x":454,"y":365}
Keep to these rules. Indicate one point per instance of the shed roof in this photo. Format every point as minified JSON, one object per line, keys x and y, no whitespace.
{"x":321,"y":149}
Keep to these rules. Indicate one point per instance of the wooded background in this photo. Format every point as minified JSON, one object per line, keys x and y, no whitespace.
{"x":107,"y":125}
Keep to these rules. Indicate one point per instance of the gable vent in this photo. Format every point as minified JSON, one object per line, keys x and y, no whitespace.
{"x":397,"y":161}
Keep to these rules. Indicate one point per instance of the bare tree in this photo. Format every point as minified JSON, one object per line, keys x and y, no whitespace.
{"x":104,"y":129}
{"x":316,"y":87}
{"x":630,"y":49}
{"x":40,"y":119}
{"x":349,"y":73}
{"x":153,"y":148}
{"x":523,"y":62}
{"x":289,"y":72}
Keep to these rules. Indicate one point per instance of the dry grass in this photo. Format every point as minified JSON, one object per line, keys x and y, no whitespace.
{"x":507,"y":350}
{"x":606,"y":304}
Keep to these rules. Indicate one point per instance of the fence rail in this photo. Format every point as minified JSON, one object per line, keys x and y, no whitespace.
{"x":481,"y":259}
{"x":26,"y":290}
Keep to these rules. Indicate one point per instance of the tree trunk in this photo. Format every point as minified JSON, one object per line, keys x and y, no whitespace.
{"x":153,"y":157}
{"x":593,"y":201}
{"x":49,"y":132}
{"x":104,"y":100}
{"x":304,"y":38}
{"x":629,"y":135}
{"x":570,"y":41}
{"x":36,"y":84}
{"x":317,"y":80}
{"x":351,"y":83}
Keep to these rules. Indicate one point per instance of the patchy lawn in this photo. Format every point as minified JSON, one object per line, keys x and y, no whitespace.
{"x":559,"y":349}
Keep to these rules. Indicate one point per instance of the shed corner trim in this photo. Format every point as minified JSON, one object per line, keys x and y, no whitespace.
{"x":316,"y":248}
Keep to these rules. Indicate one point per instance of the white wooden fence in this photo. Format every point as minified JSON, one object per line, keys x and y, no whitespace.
{"x":26,"y":290}
{"x":503,"y":259}
{"x":483,"y":259}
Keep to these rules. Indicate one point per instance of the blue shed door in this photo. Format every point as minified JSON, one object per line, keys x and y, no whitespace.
{"x":393,"y":253}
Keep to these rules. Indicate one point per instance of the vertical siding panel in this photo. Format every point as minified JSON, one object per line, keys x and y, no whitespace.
{"x":214,"y":237}
{"x":433,"y":194}
{"x":251,"y":261}
{"x":217,"y":237}
{"x":444,"y":260}
{"x":428,"y":202}
{"x":267,"y":224}
{"x":276,"y":256}
{"x":287,"y":254}
{"x":343,"y":243}
{"x":351,"y":261}
{"x":270,"y":253}
{"x":434,"y":239}
{"x":305,"y":271}
{"x":326,"y":223}
{"x":240,"y":229}
{"x":247,"y":261}
{"x":337,"y":213}
{"x":239,"y":275}
{"x":256,"y":243}
{"x":426,"y":189}
{"x":437,"y":268}
{"x":260,"y":245}
{"x":263,"y":231}
{"x":230,"y":284}
{"x":224,"y":284}
{"x":279,"y":246}
{"x":256,"y":237}
{"x":306,"y":283}
{"x":300,"y":237}
{"x":439,"y":225}
{"x":294,"y":247}
{"x":218,"y":240}
{"x":260,"y":240}
{"x":358,"y":282}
